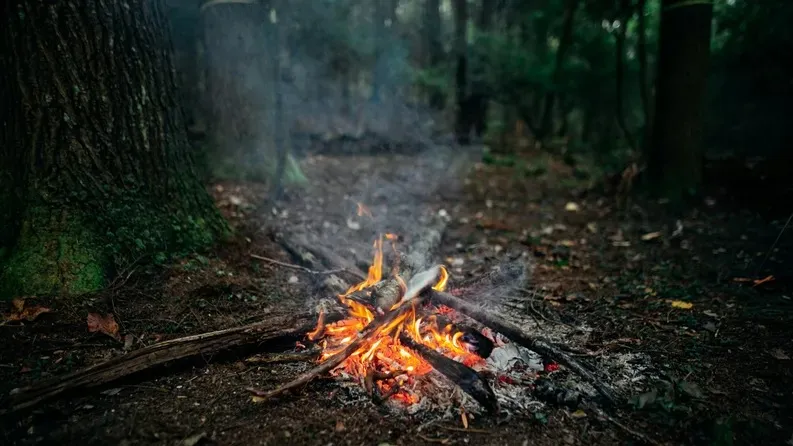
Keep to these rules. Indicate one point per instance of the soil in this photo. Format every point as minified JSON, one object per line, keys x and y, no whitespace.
{"x":677,"y":286}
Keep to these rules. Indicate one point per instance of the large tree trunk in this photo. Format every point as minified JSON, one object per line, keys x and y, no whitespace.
{"x":434,"y":48}
{"x":463,"y":122}
{"x":675,"y":164}
{"x":97,"y":170}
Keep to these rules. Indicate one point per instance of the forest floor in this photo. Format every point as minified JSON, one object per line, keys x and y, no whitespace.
{"x":683,"y":290}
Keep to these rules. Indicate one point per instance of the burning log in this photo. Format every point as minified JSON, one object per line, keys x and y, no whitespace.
{"x":520,"y":336}
{"x":474,"y":341}
{"x":463,"y":376}
{"x":377,"y":327}
{"x":264,"y":332}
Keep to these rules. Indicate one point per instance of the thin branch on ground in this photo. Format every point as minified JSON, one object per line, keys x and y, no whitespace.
{"x":297,"y":267}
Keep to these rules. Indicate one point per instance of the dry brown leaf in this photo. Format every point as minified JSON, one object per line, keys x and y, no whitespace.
{"x":19,"y":312}
{"x":18,"y":303}
{"x":103,"y":324}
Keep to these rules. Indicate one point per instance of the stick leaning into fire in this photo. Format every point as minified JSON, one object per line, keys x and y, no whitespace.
{"x":387,"y":338}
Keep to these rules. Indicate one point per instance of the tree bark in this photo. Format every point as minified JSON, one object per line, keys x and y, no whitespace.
{"x":675,"y":164}
{"x":434,"y":48}
{"x":565,"y":41}
{"x":96,"y":167}
{"x":463,"y":123}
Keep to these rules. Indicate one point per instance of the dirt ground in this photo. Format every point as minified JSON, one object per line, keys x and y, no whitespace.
{"x":682,"y":288}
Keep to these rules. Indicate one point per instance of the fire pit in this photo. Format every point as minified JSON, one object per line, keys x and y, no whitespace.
{"x":396,"y":337}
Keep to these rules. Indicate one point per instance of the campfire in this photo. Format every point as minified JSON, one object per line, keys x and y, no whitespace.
{"x":386,"y":365}
{"x":396,"y":335}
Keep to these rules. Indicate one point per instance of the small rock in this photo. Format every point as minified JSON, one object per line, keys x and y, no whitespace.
{"x":352,"y":224}
{"x":293,"y":279}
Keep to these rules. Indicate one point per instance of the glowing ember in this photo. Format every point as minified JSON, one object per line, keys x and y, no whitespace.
{"x":383,"y":361}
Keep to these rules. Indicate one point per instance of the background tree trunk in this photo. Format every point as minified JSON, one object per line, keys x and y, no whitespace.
{"x":384,"y":24}
{"x":479,"y":100}
{"x":624,"y":15}
{"x":565,"y":40}
{"x":241,"y":52}
{"x":434,"y":48}
{"x":463,"y":123}
{"x":675,"y":164}
{"x":94,"y":148}
{"x":240,"y":96}
{"x":644,"y":88}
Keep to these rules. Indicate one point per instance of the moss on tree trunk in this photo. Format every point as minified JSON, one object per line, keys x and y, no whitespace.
{"x":95,"y":166}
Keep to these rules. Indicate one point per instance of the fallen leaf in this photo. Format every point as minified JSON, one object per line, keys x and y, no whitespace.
{"x":578,"y":414}
{"x":257,"y":399}
{"x":710,"y":313}
{"x":571,"y":207}
{"x":651,"y":236}
{"x":465,"y":420}
{"x":20,"y":312}
{"x":103,"y":324}
{"x":681,"y":304}
{"x":340,"y":426}
{"x":779,"y":354}
{"x":18,"y":303}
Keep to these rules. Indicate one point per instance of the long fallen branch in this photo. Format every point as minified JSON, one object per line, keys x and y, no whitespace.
{"x":460,"y":374}
{"x":520,"y":336}
{"x":148,"y":357}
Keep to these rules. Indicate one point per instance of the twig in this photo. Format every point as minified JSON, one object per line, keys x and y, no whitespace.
{"x":466,"y":430}
{"x":297,"y":267}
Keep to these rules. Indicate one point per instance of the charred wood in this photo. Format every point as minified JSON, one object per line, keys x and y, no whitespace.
{"x":520,"y":336}
{"x":463,"y":376}
{"x":475,"y":341}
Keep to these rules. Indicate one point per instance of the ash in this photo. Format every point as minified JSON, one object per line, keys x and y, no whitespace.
{"x":521,"y":380}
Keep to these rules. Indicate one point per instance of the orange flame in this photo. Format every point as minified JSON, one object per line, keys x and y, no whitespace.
{"x":384,"y":353}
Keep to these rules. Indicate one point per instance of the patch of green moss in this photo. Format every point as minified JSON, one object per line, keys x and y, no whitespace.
{"x":56,"y":253}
